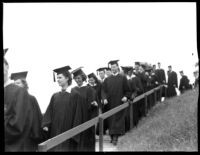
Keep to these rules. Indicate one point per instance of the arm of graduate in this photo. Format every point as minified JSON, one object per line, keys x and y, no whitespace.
{"x":47,"y":118}
{"x":21,"y":116}
{"x":126,"y":88}
{"x":36,"y":133}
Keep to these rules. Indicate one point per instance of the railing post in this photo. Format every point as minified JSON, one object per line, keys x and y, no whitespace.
{"x":131,"y":114}
{"x":160,"y":97}
{"x":146,"y":106}
{"x":166,"y":92}
{"x":155,"y":97}
{"x":101,"y":134}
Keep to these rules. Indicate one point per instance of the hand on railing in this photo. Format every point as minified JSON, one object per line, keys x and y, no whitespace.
{"x":94,"y":103}
{"x":124,"y":99}
{"x":105,"y":101}
{"x":46,"y":129}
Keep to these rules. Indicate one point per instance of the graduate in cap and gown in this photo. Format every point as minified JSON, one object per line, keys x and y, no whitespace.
{"x":36,"y":136}
{"x":128,"y":72}
{"x":161,"y":78}
{"x":117,"y":92}
{"x":103,"y":73}
{"x":17,"y":115}
{"x":64,"y":111}
{"x":184,"y":83}
{"x":87,"y":141}
{"x":172,"y":82}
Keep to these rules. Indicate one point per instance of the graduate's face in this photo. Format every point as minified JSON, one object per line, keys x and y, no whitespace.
{"x":170,"y":69}
{"x":108,"y":73}
{"x":158,"y":65}
{"x":102,"y":74}
{"x":91,"y":81}
{"x":19,"y":83}
{"x":62,"y":80}
{"x":114,"y":68}
{"x":79,"y":80}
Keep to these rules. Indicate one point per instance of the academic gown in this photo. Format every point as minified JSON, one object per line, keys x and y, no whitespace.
{"x":36,"y":136}
{"x":172,"y":84}
{"x":87,"y":141}
{"x":63,"y":113}
{"x":161,"y":77}
{"x":141,"y":104}
{"x":115,"y":88}
{"x":184,"y":84}
{"x":136,"y":84}
{"x":17,"y":118}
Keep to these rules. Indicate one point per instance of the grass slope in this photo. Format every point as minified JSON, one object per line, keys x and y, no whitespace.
{"x":169,"y":126}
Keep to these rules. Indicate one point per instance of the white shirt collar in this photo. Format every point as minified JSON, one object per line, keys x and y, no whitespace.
{"x":7,"y":83}
{"x":83,"y":85}
{"x":92,"y":85}
{"x":115,"y":74}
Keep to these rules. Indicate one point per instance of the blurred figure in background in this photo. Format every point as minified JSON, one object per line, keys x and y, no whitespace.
{"x":184,"y":83}
{"x":172,"y":83}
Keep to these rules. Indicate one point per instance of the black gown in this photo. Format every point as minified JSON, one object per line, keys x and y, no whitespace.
{"x":161,"y":80}
{"x":36,"y":136}
{"x":63,"y":113}
{"x":184,"y":84}
{"x":172,"y":84}
{"x":115,"y":88}
{"x":17,"y":118}
{"x":87,"y":138}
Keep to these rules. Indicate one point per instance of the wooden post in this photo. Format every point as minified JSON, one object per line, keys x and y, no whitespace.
{"x":146,"y":106}
{"x":101,"y":134}
{"x":131,"y":114}
{"x":161,"y":93}
{"x":155,"y":97}
{"x":166,"y":92}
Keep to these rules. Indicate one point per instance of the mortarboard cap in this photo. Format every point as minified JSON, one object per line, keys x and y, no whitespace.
{"x":92,"y":75}
{"x":127,"y":68}
{"x":101,"y":69}
{"x":181,"y":71}
{"x":170,"y":66}
{"x":77,"y":72}
{"x":61,"y":70}
{"x":137,"y":63}
{"x":5,"y":51}
{"x":108,"y":68}
{"x":18,"y":75}
{"x":112,"y":62}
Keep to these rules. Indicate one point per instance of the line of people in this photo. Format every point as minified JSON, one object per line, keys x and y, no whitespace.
{"x":25,"y":127}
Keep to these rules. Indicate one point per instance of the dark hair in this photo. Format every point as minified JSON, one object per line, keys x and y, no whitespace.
{"x":69,"y":76}
{"x":25,"y":84}
{"x":83,"y":76}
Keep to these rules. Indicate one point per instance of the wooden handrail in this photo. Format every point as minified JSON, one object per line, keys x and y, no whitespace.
{"x":50,"y":143}
{"x":80,"y":128}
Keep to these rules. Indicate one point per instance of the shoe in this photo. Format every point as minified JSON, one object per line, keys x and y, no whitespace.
{"x":114,"y":142}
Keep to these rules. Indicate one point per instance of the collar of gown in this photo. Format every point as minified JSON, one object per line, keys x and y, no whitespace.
{"x":83,"y":85}
{"x":7,"y":83}
{"x":92,"y":85}
{"x":68,"y":89}
{"x":115,"y":74}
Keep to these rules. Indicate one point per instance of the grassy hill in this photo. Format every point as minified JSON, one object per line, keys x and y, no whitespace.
{"x":169,"y":126}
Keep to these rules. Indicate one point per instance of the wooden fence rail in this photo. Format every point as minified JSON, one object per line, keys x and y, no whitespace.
{"x":45,"y":146}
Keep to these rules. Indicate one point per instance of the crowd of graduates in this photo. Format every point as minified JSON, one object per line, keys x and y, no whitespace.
{"x":26,"y":127}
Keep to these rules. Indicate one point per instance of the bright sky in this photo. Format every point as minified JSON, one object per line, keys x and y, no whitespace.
{"x":45,"y":36}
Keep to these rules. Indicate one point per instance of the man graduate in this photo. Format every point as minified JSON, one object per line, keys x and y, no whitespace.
{"x":172,"y":82}
{"x":17,"y":115}
{"x":184,"y":83}
{"x":117,"y":92}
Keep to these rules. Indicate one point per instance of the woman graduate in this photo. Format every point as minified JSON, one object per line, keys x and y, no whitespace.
{"x":17,"y":115}
{"x":87,"y":141}
{"x":63,"y":111}
{"x":36,"y":132}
